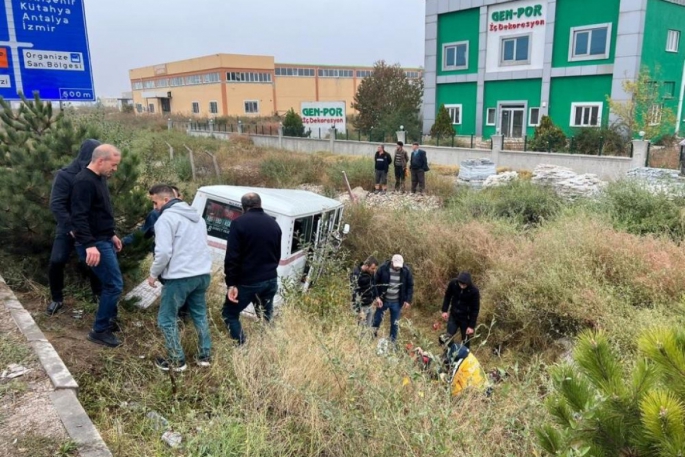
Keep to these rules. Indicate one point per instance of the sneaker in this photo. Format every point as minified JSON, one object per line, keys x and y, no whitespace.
{"x":53,"y":308}
{"x":105,"y":338}
{"x":165,"y":365}
{"x":203,"y":362}
{"x":114,"y":325}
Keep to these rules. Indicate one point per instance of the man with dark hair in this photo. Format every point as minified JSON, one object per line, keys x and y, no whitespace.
{"x":382,"y":162}
{"x":395,"y":286}
{"x":462,"y":300}
{"x":364,"y":291}
{"x":418,"y":166}
{"x":400,"y":161}
{"x":92,"y":219}
{"x":253,"y":252}
{"x":60,"y":205}
{"x":183,"y":259}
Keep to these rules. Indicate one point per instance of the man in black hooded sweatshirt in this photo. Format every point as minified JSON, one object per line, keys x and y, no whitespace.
{"x":63,"y":246}
{"x":462,"y":300}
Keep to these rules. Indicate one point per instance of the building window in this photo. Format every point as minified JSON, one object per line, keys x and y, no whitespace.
{"x":137,"y":86}
{"x":669,"y":89}
{"x":515,"y":50}
{"x":139,"y":107}
{"x":534,"y":117}
{"x":455,"y":113}
{"x":302,"y":72}
{"x":364,"y":73}
{"x":210,"y":78}
{"x":162,"y":83}
{"x":673,"y":40}
{"x":151,"y":108}
{"x":248,"y":77}
{"x":655,"y":114}
{"x":193,"y":80}
{"x":414,"y":74}
{"x":173,"y":82}
{"x":490,"y":117}
{"x":149,"y":85}
{"x":590,"y":42}
{"x":586,"y":114}
{"x":213,"y":107}
{"x":251,"y":107}
{"x":196,"y":107}
{"x":335,"y":73}
{"x":455,"y":56}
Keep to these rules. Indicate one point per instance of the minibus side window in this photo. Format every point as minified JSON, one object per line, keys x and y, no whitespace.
{"x":218,"y":216}
{"x":302,"y":232}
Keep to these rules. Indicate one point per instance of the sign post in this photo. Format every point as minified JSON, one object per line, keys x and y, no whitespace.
{"x":44,"y":50}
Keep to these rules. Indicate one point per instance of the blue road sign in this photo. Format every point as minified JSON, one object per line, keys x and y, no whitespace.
{"x":44,"y":49}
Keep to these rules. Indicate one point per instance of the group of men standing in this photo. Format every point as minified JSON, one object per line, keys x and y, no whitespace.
{"x":376,"y":289}
{"x":81,"y":204}
{"x":404,"y":164}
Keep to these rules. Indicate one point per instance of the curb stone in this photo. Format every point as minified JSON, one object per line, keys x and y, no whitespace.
{"x":74,"y":418}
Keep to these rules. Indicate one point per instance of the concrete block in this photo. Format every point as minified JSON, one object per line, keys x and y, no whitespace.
{"x":431,"y":63}
{"x":54,"y":366}
{"x":431,"y":8}
{"x":27,"y":325}
{"x":429,"y":79}
{"x":534,"y":74}
{"x":431,"y":47}
{"x":625,"y":67}
{"x":549,"y":52}
{"x":574,"y":71}
{"x":629,"y":22}
{"x":558,"y":72}
{"x":78,"y":425}
{"x":453,"y":5}
{"x":432,"y":18}
{"x":432,"y":31}
{"x":551,"y":11}
{"x":481,"y":59}
{"x":10,"y":301}
{"x":588,"y":70}
{"x":607,"y":69}
{"x":628,"y":45}
{"x":443,"y":6}
{"x":504,"y":75}
{"x":632,"y":5}
{"x":483,"y":22}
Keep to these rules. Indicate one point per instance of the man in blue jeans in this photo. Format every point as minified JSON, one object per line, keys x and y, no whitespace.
{"x":253,"y":252}
{"x":92,"y":219}
{"x":395,"y":286}
{"x":183,"y":259}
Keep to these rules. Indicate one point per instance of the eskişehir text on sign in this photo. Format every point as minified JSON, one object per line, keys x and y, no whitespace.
{"x":525,"y":17}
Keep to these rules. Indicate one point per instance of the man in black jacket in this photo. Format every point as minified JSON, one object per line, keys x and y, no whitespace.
{"x":395,"y":286}
{"x":60,"y":205}
{"x":382,"y":162}
{"x":364,"y":290}
{"x":253,"y":252}
{"x":418,"y":165}
{"x":462,"y":300}
{"x":92,"y":217}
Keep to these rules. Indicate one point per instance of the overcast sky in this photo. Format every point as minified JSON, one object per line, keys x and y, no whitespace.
{"x":126,"y":34}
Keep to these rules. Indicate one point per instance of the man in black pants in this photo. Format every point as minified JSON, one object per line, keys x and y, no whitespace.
{"x":462,"y":300}
{"x":253,"y":252}
{"x":418,"y":165}
{"x":63,"y":246}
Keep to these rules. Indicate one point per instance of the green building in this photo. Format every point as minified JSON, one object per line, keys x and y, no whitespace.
{"x":502,"y":65}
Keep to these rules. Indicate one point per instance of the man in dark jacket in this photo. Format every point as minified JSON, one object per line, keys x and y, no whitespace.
{"x":382,"y":162}
{"x":92,"y":217}
{"x":418,"y":166}
{"x":364,"y":290}
{"x":253,"y":252}
{"x":60,"y":205}
{"x":462,"y":300}
{"x":395,"y":286}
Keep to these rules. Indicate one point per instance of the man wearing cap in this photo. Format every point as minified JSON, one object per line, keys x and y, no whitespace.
{"x":395,"y":286}
{"x":462,"y":300}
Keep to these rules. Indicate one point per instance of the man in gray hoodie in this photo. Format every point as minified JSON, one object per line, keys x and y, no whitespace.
{"x":183,"y":259}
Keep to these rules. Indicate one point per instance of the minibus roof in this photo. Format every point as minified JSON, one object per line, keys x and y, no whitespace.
{"x":288,"y":202}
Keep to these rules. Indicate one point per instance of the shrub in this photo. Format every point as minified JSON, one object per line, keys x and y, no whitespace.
{"x":591,"y":140}
{"x":443,"y":127}
{"x":547,"y":137}
{"x":292,"y":124}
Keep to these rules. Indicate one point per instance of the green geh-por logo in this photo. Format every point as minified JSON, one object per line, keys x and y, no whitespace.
{"x":332,"y":112}
{"x":519,"y":13}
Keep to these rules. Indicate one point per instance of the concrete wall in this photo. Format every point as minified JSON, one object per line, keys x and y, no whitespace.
{"x":606,"y":167}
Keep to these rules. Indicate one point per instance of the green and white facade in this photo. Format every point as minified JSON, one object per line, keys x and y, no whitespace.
{"x":500,"y":65}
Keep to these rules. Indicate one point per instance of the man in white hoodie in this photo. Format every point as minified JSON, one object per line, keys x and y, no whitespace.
{"x":183,"y":259}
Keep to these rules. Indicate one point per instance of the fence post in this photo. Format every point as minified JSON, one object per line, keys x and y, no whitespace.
{"x":640,"y":153}
{"x":601,"y":145}
{"x":437,"y":140}
{"x":496,"y":141}
{"x":359,"y":132}
{"x":549,"y":146}
{"x":169,"y":124}
{"x":331,"y":139}
{"x":240,"y":128}
{"x":217,"y":170}
{"x":171,"y":151}
{"x":452,"y":140}
{"x":525,"y":143}
{"x":190,"y":125}
{"x":211,"y":126}
{"x":472,"y":141}
{"x":573,"y":145}
{"x":192,"y":161}
{"x":280,"y":136}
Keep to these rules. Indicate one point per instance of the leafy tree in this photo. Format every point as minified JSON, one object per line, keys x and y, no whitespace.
{"x":600,"y":410}
{"x":645,"y":111}
{"x":443,"y":124}
{"x":547,"y":137}
{"x":387,"y":99}
{"x":588,"y":140}
{"x":35,"y":143}
{"x":292,"y":124}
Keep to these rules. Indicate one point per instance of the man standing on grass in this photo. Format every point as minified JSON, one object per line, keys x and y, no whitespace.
{"x":253,"y":252}
{"x":183,"y":259}
{"x":400,"y":161}
{"x":364,"y":292}
{"x":418,"y":166}
{"x":382,"y":164}
{"x":395,"y":286}
{"x":92,"y":218}
{"x":62,"y":247}
{"x":462,"y":300}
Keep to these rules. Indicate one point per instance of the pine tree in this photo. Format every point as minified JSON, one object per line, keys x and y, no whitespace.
{"x":443,"y":127}
{"x":547,"y":137}
{"x":292,"y":124}
{"x":601,"y":410}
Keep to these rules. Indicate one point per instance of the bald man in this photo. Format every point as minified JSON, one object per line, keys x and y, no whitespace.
{"x":253,"y":252}
{"x":92,"y":218}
